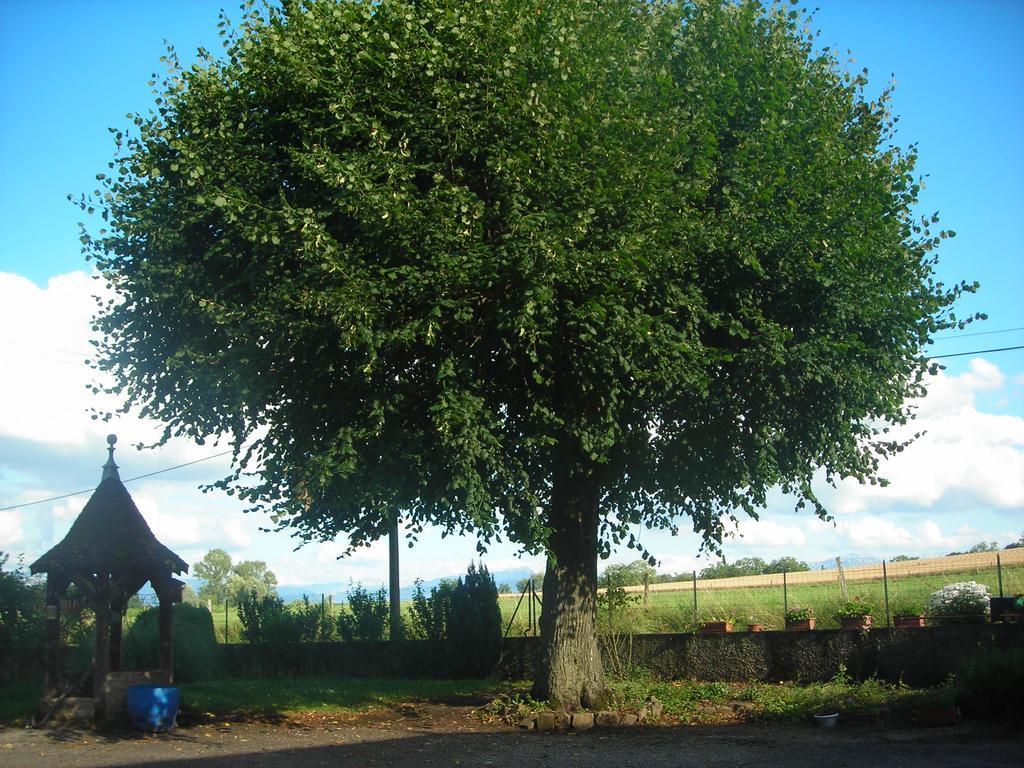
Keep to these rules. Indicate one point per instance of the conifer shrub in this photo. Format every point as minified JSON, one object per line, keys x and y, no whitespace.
{"x":196,"y":653}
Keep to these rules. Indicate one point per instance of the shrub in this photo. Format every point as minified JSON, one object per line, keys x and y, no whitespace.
{"x":992,"y":681}
{"x":965,"y":600}
{"x":196,"y":654}
{"x":365,"y":617}
{"x":474,"y":625}
{"x":466,"y":614}
{"x":315,"y":625}
{"x":854,"y":609}
{"x":21,"y":618}
{"x":907,"y":607}
{"x":428,"y":616}
{"x":257,"y":613}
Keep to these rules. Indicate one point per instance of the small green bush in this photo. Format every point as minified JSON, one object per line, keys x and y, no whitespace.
{"x":855,"y":608}
{"x":255,"y":611}
{"x":21,"y":618}
{"x":365,"y":616}
{"x":992,"y":683}
{"x":428,"y":615}
{"x":196,"y":653}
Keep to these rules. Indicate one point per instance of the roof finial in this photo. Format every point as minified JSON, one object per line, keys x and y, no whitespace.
{"x":110,"y":468}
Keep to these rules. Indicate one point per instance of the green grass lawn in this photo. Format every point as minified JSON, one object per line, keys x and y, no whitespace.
{"x":686,"y":701}
{"x":277,"y":696}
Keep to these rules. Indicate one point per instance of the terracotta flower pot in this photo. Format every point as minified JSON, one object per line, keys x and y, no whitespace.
{"x":936,"y":715}
{"x":801,"y":625}
{"x":908,"y":622}
{"x":716,"y":627}
{"x":755,"y":627}
{"x":855,"y":622}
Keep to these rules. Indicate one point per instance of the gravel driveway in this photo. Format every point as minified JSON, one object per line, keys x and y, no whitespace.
{"x":453,"y":738}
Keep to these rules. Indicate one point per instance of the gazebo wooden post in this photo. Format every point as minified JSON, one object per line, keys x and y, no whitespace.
{"x":101,"y":661}
{"x":51,"y":682}
{"x":116,"y":629}
{"x":166,"y":635}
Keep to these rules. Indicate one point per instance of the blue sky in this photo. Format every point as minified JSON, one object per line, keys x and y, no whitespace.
{"x":69,"y":70}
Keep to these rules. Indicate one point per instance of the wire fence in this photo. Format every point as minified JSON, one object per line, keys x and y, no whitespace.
{"x":885,"y":589}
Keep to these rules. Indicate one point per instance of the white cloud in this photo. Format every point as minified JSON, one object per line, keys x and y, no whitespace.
{"x":881,"y":535}
{"x":768,"y":534}
{"x":10,"y":530}
{"x":46,"y":398}
{"x":965,"y":454}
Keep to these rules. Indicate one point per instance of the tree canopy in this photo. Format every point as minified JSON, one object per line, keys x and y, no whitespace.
{"x":224,"y":579}
{"x":548,"y":271}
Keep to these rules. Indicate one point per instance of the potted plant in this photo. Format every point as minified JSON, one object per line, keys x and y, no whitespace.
{"x":907,"y":614}
{"x":753,"y":625}
{"x":799,"y":620}
{"x":854,"y":614}
{"x":937,"y":707}
{"x":964,"y":602}
{"x":717,"y":625}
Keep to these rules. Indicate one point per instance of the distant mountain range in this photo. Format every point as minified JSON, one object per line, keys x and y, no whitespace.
{"x":849,"y":561}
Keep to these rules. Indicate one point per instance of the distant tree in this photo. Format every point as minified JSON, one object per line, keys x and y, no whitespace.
{"x":983,"y":546}
{"x":1016,"y":544}
{"x":750,"y":566}
{"x":538,"y":580}
{"x":504,"y":588}
{"x":786,"y":565}
{"x":214,"y":569}
{"x":627,"y":575}
{"x":903,"y":558}
{"x":190,"y":596}
{"x":251,"y":577}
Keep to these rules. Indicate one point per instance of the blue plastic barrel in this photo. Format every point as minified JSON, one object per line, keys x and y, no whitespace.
{"x":153,"y":707}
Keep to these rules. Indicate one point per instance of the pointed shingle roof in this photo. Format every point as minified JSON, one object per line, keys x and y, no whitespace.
{"x":111,"y":535}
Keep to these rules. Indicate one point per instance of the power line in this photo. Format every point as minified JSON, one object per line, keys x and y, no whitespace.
{"x":979,"y":333}
{"x":130,"y":479}
{"x":977,"y":352}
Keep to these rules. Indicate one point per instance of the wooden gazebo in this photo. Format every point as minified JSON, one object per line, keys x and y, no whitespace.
{"x":108,"y":554}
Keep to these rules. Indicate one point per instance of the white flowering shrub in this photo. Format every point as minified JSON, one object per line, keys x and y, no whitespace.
{"x":965,"y":598}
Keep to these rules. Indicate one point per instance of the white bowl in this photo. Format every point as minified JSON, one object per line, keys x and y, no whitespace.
{"x":827,"y":721}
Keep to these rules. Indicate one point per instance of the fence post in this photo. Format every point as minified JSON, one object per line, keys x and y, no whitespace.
{"x":785,"y":595}
{"x":225,"y":619}
{"x":885,"y":590}
{"x":533,"y":596}
{"x":999,"y":573}
{"x":695,"y":597}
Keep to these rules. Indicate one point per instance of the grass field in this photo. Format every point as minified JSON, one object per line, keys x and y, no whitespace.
{"x":674,"y":611}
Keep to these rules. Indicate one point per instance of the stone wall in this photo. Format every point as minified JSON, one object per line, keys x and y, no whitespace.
{"x":923,"y":656}
{"x":116,"y":685}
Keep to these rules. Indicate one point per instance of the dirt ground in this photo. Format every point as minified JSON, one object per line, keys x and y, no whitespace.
{"x":437,"y":735}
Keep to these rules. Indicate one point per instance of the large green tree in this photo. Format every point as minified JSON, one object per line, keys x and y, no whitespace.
{"x":537,"y":269}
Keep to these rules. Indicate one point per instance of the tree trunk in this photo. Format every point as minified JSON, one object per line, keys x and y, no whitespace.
{"x":569,"y":672}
